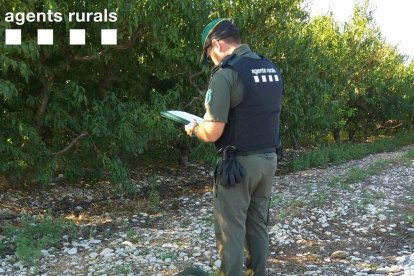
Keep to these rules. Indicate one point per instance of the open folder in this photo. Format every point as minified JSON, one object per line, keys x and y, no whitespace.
{"x":181,"y":116}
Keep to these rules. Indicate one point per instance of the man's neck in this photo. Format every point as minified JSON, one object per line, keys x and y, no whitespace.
{"x":231,"y":49}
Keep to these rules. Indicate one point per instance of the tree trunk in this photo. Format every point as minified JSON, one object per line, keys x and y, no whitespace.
{"x":336,"y":135}
{"x":294,"y":140}
{"x":44,"y":100}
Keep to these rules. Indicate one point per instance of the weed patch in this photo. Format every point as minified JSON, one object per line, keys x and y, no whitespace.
{"x":338,"y":154}
{"x":154,"y":194}
{"x":409,"y":154}
{"x":356,"y":174}
{"x":35,"y":235}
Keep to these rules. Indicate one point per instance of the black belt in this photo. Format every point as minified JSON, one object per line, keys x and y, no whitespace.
{"x":245,"y":153}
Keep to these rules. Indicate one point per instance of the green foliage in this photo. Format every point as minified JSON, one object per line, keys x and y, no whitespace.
{"x":334,"y":182}
{"x":377,"y":167}
{"x":132,"y":235}
{"x":204,"y":153}
{"x":3,"y":244}
{"x":356,"y":174}
{"x":35,"y":235}
{"x":342,"y":153}
{"x":367,"y":198}
{"x":124,"y":269}
{"x":154,"y":195}
{"x":409,"y":154}
{"x":321,"y":197}
{"x":92,"y":111}
{"x":301,"y":163}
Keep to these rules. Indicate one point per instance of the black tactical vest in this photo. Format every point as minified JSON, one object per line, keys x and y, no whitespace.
{"x":253,"y":125}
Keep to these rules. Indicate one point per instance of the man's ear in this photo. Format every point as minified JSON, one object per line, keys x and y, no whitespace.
{"x":215,"y":43}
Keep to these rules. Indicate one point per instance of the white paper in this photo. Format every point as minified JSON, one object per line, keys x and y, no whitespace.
{"x":187,"y":116}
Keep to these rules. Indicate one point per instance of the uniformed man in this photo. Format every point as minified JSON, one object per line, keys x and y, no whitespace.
{"x":243,"y":105}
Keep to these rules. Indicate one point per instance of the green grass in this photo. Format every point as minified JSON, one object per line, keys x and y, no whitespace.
{"x":3,"y":245}
{"x":356,"y":174}
{"x":379,"y":166}
{"x":154,"y":194}
{"x":334,"y":182}
{"x":276,"y":200}
{"x":124,"y":269}
{"x":338,"y":154}
{"x":132,"y":235}
{"x":408,"y":217}
{"x":208,"y":220}
{"x":168,"y":255}
{"x":409,"y":154}
{"x":205,"y":153}
{"x":321,"y":197}
{"x":35,"y":235}
{"x":288,"y":206}
{"x":410,"y":199}
{"x":367,"y":198}
{"x":310,"y":187}
{"x":108,"y":233}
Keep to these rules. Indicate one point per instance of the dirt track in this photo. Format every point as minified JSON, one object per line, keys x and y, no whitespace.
{"x":352,"y":219}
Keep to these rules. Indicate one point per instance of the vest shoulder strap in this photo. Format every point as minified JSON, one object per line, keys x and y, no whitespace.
{"x":229,"y":60}
{"x":232,"y":60}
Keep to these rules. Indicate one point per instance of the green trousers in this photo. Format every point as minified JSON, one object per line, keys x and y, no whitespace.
{"x":241,"y":216}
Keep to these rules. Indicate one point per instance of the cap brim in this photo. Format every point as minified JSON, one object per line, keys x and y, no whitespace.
{"x":204,"y":59}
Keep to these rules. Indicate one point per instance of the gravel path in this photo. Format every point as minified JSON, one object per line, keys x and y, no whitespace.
{"x":352,"y":219}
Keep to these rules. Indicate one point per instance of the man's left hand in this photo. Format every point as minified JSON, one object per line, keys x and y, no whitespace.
{"x":190,"y":128}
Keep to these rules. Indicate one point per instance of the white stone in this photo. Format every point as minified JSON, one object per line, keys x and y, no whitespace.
{"x":382,"y":217}
{"x":152,"y":259}
{"x":394,"y":268}
{"x":382,"y":270}
{"x":93,"y":255}
{"x":107,"y":252}
{"x":94,"y":241}
{"x":72,"y":251}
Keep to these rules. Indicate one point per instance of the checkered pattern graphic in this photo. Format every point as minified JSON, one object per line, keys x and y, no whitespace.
{"x":46,"y":37}
{"x":13,"y":37}
{"x":266,"y":78}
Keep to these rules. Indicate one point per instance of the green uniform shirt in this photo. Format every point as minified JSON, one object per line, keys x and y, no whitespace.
{"x":225,"y":89}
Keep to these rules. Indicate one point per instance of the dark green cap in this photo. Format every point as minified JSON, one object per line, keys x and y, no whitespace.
{"x":215,"y":29}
